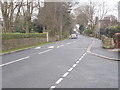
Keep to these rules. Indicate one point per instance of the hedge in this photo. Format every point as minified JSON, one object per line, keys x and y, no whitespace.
{"x":6,"y":36}
{"x":89,"y":31}
{"x":109,"y":32}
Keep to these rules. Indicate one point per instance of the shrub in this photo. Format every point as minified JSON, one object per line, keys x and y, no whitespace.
{"x":109,"y":32}
{"x":65,"y":34}
{"x":6,"y":36}
{"x":88,"y":32}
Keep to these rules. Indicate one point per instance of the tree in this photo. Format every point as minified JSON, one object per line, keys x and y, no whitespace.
{"x":8,"y":10}
{"x":87,"y":13}
{"x":55,"y":17}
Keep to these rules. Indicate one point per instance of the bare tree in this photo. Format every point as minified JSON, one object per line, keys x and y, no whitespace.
{"x":55,"y":16}
{"x":87,"y":13}
{"x":8,"y":14}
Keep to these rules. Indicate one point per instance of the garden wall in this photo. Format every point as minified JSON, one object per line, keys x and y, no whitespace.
{"x":21,"y":43}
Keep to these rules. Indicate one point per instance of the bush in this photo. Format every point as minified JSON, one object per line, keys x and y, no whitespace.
{"x":6,"y":36}
{"x":65,"y":34}
{"x":88,"y":32}
{"x":109,"y":32}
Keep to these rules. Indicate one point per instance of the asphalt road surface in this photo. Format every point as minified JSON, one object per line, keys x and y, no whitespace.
{"x":64,"y":64}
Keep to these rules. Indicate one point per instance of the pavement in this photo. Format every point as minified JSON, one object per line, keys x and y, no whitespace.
{"x":64,"y":64}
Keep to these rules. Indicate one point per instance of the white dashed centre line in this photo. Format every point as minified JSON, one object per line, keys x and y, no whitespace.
{"x":65,"y":74}
{"x":59,"y":80}
{"x":70,"y":69}
{"x":74,"y":65}
{"x":52,"y":87}
{"x":77,"y":62}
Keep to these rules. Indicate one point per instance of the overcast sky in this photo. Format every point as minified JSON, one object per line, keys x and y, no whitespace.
{"x":112,"y":5}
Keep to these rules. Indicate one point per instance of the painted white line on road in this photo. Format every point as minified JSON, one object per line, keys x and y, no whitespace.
{"x":59,"y":80}
{"x":58,"y":46}
{"x":104,"y":56}
{"x":70,"y":69}
{"x":37,"y":47}
{"x":80,"y":59}
{"x":84,"y":54}
{"x":45,"y":51}
{"x":74,"y":65}
{"x":14,"y":61}
{"x":77,"y":62}
{"x":68,"y":43}
{"x":65,"y":74}
{"x":52,"y":87}
{"x":51,"y":47}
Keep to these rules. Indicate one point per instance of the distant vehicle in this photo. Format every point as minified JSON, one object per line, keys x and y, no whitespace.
{"x":73,"y":36}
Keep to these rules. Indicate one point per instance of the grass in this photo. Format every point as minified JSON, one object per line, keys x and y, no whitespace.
{"x":18,"y":49}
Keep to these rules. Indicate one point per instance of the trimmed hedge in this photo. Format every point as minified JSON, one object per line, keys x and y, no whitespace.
{"x":6,"y":36}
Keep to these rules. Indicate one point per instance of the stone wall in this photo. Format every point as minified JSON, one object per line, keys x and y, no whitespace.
{"x":20,"y":43}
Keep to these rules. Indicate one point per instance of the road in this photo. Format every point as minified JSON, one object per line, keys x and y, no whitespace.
{"x":64,"y":64}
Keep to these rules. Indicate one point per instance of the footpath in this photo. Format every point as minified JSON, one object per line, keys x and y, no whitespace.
{"x":98,"y":50}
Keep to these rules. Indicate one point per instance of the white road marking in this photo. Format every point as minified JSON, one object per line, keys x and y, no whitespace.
{"x":82,"y":56}
{"x":59,"y":80}
{"x":80,"y":59}
{"x":65,"y":74}
{"x":52,"y":87}
{"x":37,"y":47}
{"x":77,"y":62}
{"x":58,"y":46}
{"x":68,"y":43}
{"x":88,"y":49}
{"x":51,"y":47}
{"x":74,"y":65}
{"x":45,"y":51}
{"x":70,"y":69}
{"x":14,"y":61}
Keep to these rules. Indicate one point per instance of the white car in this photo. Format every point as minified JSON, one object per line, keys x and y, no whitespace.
{"x":73,"y":36}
